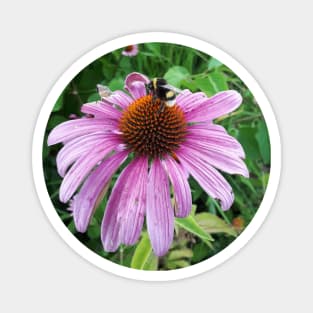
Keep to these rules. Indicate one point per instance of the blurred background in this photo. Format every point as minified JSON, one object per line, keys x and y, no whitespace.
{"x":208,"y":229}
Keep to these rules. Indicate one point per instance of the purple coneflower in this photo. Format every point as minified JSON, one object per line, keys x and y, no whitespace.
{"x":166,"y":147}
{"x":130,"y":51}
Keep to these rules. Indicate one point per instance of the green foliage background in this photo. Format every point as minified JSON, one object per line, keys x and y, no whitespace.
{"x":208,"y":229}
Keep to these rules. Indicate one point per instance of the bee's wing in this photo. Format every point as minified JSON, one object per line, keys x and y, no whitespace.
{"x":170,"y":87}
{"x":103,"y":91}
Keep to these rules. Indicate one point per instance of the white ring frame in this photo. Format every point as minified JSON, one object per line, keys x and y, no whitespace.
{"x":215,"y":260}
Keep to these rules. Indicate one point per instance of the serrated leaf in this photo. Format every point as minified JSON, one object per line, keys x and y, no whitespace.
{"x":213,"y":224}
{"x":213,"y":83}
{"x":190,"y":224}
{"x":218,"y":80}
{"x":175,"y":75}
{"x":144,"y":258}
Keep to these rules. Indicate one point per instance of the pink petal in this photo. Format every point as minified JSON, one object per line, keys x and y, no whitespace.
{"x":83,"y":166}
{"x":101,"y":110}
{"x":208,"y":178}
{"x":215,"y":134}
{"x":124,"y":214}
{"x":182,"y":192}
{"x":93,"y":190}
{"x":216,"y":155}
{"x":135,"y":84}
{"x":188,"y":101}
{"x":79,"y":127}
{"x":131,"y":53}
{"x":160,"y":214}
{"x":119,"y":98}
{"x":220,"y":104}
{"x":78,"y":147}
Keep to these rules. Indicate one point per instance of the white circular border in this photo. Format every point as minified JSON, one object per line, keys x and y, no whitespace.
{"x":85,"y":252}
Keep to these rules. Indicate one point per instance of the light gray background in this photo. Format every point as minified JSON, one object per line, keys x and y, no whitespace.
{"x":40,"y":40}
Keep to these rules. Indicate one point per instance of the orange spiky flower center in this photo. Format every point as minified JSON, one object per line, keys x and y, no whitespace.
{"x":149,"y":131}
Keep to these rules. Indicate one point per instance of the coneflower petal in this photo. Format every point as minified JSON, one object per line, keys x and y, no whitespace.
{"x":125,"y":210}
{"x":188,"y":101}
{"x":160,"y":214}
{"x":217,"y":156}
{"x":208,"y":178}
{"x":220,"y":104}
{"x":78,"y":172}
{"x":182,"y":192}
{"x":91,"y":193}
{"x":135,"y":84}
{"x":79,"y":127}
{"x":101,"y":110}
{"x":78,"y":147}
{"x":215,"y":134}
{"x":119,"y":98}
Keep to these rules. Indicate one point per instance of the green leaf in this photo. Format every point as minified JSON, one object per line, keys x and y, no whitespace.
{"x":200,"y":252}
{"x":144,"y":258}
{"x":58,"y":105}
{"x":213,"y":224}
{"x":55,"y":120}
{"x":213,"y":64}
{"x":154,"y":48}
{"x":247,"y":138}
{"x":93,"y":231}
{"x":213,"y":83}
{"x":177,"y":264}
{"x":180,"y":254}
{"x":218,"y":80}
{"x":93,"y":97}
{"x":190,"y":224}
{"x":189,"y":84}
{"x":116,"y":84}
{"x":264,"y":142}
{"x":175,"y":75}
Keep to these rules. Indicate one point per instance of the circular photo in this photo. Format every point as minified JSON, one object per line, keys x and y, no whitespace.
{"x":155,"y":156}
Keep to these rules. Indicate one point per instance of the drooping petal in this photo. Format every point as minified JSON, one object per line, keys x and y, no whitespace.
{"x":78,"y":147}
{"x":93,"y":190}
{"x":216,"y":155}
{"x":79,"y":127}
{"x":82,"y":167}
{"x":135,"y":84}
{"x":101,"y":110}
{"x":219,"y":158}
{"x":160,"y":214}
{"x":220,"y":104}
{"x":208,"y":178}
{"x":217,"y":135}
{"x":125,"y":210}
{"x":182,"y":192}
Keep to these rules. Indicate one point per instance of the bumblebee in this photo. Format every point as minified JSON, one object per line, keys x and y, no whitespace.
{"x":160,"y":89}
